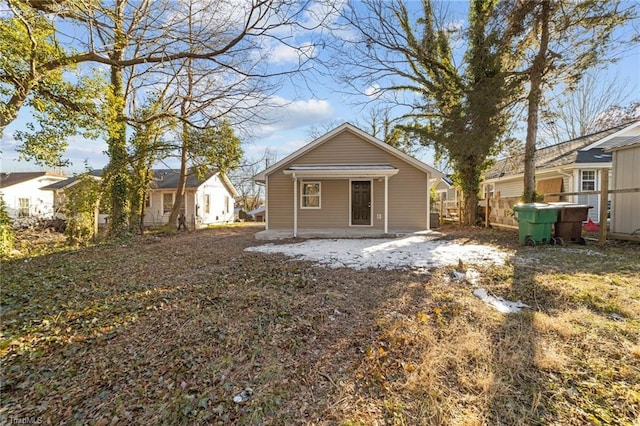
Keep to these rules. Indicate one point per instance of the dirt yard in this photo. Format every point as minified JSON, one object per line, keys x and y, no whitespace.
{"x":193,"y":329}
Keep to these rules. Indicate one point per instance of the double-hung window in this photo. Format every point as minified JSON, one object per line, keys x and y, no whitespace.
{"x":207,"y":203}
{"x":24,"y":207}
{"x":310,"y":197}
{"x":588,"y":180}
{"x":167,"y":202}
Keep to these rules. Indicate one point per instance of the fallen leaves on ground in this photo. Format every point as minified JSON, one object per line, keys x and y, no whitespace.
{"x":169,"y":329}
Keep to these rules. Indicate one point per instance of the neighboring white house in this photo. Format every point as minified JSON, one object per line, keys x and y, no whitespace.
{"x":208,"y":201}
{"x":572,"y":166}
{"x":625,"y":207}
{"x":23,"y":194}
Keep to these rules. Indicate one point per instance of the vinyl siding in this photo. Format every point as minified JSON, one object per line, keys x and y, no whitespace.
{"x":408,"y":190}
{"x":154,"y":214}
{"x":41,"y":203}
{"x":625,"y":209}
{"x":512,"y":188}
{"x":334,"y":211}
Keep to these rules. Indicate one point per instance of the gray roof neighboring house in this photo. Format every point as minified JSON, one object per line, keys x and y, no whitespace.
{"x":624,"y":142}
{"x":14,"y":178}
{"x":594,"y":155}
{"x":168,"y":179}
{"x":561,"y":154}
{"x":258,"y":210}
{"x":162,"y":179}
{"x":61,"y":184}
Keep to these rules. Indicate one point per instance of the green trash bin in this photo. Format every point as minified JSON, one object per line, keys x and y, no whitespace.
{"x":534,"y":222}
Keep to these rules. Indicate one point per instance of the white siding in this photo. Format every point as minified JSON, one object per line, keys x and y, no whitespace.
{"x":592,"y":200}
{"x":40,"y":202}
{"x":221,"y":202}
{"x":155,"y":214}
{"x":512,"y":188}
{"x":220,"y":208}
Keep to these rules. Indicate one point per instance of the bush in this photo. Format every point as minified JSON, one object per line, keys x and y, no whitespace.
{"x":6,"y":230}
{"x":82,"y":199}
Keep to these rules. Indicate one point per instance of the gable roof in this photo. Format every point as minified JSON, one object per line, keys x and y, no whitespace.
{"x":628,"y":142}
{"x":162,"y":179}
{"x":61,"y":184}
{"x":168,"y":179}
{"x":260,"y":209}
{"x":347,"y":127}
{"x":14,"y":178}
{"x":585,"y":149}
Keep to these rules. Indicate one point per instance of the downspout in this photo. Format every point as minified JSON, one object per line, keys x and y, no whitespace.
{"x":266,"y":202}
{"x":386,"y":204}
{"x":428,"y":202}
{"x":570,"y":176}
{"x":295,"y":205}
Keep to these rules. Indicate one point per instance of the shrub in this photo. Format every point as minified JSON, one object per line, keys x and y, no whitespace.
{"x":82,"y":200}
{"x":6,"y":230}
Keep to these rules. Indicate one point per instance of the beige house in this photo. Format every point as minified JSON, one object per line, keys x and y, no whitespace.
{"x":625,"y":206}
{"x":347,"y":183}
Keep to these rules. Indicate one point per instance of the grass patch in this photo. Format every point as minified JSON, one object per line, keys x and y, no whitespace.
{"x":167,"y":329}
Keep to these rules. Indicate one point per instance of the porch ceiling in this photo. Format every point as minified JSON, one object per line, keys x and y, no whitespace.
{"x":341,"y":171}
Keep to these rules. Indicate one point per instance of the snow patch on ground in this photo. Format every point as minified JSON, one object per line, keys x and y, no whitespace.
{"x":502,"y":305}
{"x":414,"y":252}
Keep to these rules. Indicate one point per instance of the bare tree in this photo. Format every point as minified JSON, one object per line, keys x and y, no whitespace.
{"x":556,"y":41}
{"x":577,"y":112}
{"x":251,"y":194}
{"x":131,"y":37}
{"x":617,"y":115}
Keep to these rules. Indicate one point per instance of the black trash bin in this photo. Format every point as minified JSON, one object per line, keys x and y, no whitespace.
{"x":568,"y":228}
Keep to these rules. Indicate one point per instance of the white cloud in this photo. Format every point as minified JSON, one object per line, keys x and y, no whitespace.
{"x":7,"y":141}
{"x":284,"y":115}
{"x":283,"y":53}
{"x":373,"y":91}
{"x":319,"y":13}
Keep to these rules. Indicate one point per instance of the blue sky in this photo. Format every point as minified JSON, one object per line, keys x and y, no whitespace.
{"x":320,"y":106}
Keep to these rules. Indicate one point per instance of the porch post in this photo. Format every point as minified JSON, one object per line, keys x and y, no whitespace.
{"x":295,"y":206}
{"x":386,"y":204}
{"x":428,"y":202}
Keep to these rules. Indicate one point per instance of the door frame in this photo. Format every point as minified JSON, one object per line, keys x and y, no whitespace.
{"x":370,"y":197}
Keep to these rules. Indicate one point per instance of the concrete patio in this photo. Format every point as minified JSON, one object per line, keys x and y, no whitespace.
{"x":278,"y":234}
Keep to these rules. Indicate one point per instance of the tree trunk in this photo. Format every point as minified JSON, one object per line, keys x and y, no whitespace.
{"x":182,"y":181}
{"x":469,"y":180}
{"x":533,"y":105}
{"x":117,"y":140}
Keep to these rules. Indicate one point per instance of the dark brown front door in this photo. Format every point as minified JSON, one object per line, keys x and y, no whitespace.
{"x":360,"y":203}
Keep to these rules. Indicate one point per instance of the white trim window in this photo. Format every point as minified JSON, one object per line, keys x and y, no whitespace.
{"x":588,"y":180}
{"x":24,"y":207}
{"x":167,"y":202}
{"x":168,"y":199}
{"x":310,"y":195}
{"x":207,"y":204}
